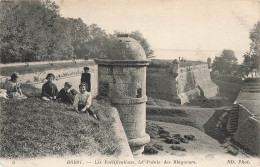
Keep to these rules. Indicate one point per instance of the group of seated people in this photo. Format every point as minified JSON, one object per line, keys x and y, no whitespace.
{"x":81,"y":101}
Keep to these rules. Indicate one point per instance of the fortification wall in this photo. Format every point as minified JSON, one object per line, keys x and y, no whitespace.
{"x":161,"y":84}
{"x":196,"y":78}
{"x":180,"y":85}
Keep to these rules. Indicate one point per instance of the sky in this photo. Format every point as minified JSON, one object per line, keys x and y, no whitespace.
{"x":181,"y":25}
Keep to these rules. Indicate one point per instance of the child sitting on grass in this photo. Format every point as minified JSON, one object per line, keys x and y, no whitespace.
{"x":49,"y":89}
{"x":82,"y":100}
{"x":13,"y":87}
{"x":66,"y":94}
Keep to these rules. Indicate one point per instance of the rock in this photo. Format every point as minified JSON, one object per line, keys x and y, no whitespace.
{"x":183,"y":140}
{"x":148,"y":149}
{"x":165,"y":135}
{"x":162,"y":131}
{"x":153,"y":130}
{"x":170,"y":140}
{"x":174,"y":147}
{"x":232,"y":150}
{"x":158,"y":146}
{"x":177,"y":136}
{"x":189,"y":137}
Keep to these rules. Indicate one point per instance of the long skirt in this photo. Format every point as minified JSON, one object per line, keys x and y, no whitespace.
{"x":89,"y":111}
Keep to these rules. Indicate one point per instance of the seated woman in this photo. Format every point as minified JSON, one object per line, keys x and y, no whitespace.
{"x":13,"y":87}
{"x":82,"y":101}
{"x":66,"y":94}
{"x":49,"y":89}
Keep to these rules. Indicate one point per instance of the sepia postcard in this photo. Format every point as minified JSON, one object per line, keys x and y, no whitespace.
{"x":142,"y":83}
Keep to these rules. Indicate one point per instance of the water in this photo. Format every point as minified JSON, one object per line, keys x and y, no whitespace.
{"x":194,"y":55}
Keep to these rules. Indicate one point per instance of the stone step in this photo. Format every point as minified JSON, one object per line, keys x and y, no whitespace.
{"x":233,"y":121}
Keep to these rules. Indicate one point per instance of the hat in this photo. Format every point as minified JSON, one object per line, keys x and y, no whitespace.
{"x":15,"y":75}
{"x":84,"y":84}
{"x":50,"y":75}
{"x":86,"y":68}
{"x":68,"y":84}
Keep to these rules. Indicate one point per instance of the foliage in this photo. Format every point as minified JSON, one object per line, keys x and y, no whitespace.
{"x":32,"y":30}
{"x":250,"y":63}
{"x":98,"y":40}
{"x":79,"y":35}
{"x":143,"y":41}
{"x":255,"y":39}
{"x":225,"y":63}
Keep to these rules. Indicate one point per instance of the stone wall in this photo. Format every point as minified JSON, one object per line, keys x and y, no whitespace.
{"x":181,"y":84}
{"x":161,"y":83}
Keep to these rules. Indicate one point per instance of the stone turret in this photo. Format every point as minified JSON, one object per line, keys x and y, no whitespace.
{"x":122,"y":79}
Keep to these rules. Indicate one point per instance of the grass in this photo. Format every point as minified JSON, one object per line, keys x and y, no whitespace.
{"x":227,"y":78}
{"x":34,"y":128}
{"x":194,"y":117}
{"x":208,"y":103}
{"x":160,"y":102}
{"x":7,"y":71}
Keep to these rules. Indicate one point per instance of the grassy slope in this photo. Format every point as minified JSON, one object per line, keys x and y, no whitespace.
{"x":7,"y":71}
{"x":195,"y":114}
{"x":194,"y":117}
{"x":32,"y":127}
